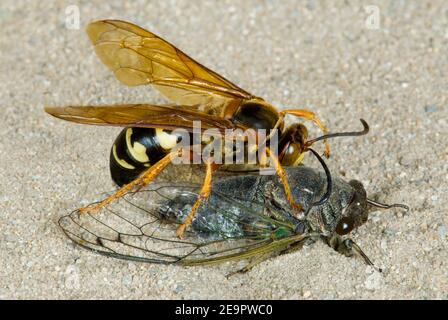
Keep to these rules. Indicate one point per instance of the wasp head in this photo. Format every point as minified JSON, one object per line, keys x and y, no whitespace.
{"x":292,"y":144}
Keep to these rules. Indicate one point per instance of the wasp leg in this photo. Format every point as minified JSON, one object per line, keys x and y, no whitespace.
{"x":277,"y":127}
{"x":143,"y":180}
{"x":306,"y":114}
{"x":203,"y":195}
{"x":349,"y":248}
{"x":282,"y":175}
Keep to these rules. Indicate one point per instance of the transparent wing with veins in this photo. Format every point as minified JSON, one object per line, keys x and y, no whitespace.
{"x":142,"y":227}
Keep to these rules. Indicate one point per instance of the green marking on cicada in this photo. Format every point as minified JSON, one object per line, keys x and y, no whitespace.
{"x":281,"y":233}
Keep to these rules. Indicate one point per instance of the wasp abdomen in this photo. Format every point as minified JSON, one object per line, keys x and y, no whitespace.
{"x":136,"y":149}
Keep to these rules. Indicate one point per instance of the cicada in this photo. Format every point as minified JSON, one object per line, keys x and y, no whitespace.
{"x":146,"y":146}
{"x":247,"y":216}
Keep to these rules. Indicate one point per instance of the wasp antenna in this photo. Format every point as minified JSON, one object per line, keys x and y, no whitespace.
{"x":342,"y":134}
{"x":387,"y":206}
{"x":327,"y":194}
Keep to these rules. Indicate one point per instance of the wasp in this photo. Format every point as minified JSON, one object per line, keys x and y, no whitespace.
{"x":146,"y":145}
{"x":247,"y":216}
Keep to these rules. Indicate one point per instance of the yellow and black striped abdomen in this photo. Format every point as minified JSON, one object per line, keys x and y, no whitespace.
{"x":136,"y":149}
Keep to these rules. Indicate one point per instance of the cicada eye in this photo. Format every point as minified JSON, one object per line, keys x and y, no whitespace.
{"x":344,"y":226}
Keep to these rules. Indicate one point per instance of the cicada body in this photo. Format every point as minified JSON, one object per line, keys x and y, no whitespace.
{"x":246,"y":216}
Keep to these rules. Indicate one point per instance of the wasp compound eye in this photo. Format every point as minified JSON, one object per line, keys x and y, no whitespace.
{"x":344,"y":226}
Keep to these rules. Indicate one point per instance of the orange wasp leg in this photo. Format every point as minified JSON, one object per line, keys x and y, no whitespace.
{"x":282,"y":174}
{"x":147,"y":177}
{"x":301,"y":113}
{"x":203,"y":195}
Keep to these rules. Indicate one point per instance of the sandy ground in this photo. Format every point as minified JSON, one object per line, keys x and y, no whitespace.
{"x":310,"y":54}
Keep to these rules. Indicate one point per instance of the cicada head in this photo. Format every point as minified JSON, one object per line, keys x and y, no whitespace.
{"x":355,"y":213}
{"x":357,"y":210}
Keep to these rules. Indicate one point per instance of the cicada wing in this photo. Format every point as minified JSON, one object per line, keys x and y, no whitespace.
{"x":142,"y":226}
{"x":139,"y":57}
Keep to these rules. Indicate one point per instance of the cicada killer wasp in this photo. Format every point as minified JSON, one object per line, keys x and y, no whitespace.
{"x":145,"y":146}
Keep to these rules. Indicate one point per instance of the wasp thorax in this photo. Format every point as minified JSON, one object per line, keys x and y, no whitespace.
{"x":355,"y":214}
{"x":291,"y":145}
{"x":256,"y":115}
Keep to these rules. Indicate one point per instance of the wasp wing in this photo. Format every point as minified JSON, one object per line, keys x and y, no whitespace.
{"x":142,"y":227}
{"x":141,"y":115}
{"x":139,"y":57}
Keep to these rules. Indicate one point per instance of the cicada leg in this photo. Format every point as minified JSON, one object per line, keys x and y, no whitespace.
{"x":251,"y":264}
{"x":282,"y":175}
{"x":349,"y":248}
{"x":144,"y":179}
{"x":203,"y":195}
{"x":309,"y":115}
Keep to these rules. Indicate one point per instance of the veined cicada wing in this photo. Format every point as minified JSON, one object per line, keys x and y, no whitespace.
{"x":142,"y":227}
